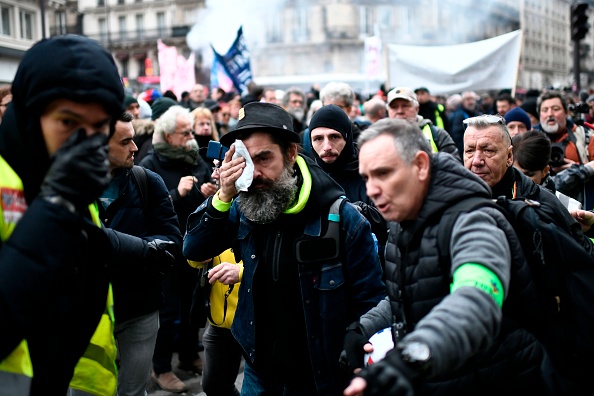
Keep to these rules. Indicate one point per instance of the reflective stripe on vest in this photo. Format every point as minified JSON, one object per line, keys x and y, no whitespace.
{"x":12,"y":205}
{"x":429,"y":136}
{"x":96,"y":371}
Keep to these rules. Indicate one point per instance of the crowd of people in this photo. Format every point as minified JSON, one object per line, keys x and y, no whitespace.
{"x":316,"y":225}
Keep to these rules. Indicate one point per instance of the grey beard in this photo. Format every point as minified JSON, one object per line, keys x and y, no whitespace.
{"x":551,"y":129}
{"x":264,"y":205}
{"x":297,"y":113}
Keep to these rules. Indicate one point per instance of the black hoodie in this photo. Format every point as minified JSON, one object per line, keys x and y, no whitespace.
{"x":53,"y":278}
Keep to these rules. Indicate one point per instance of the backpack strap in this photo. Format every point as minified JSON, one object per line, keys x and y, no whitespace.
{"x":448,"y":219}
{"x":139,"y":175}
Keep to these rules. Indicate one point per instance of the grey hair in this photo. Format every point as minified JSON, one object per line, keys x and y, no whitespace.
{"x":293,"y":90}
{"x":407,"y":136}
{"x":167,"y":122}
{"x":487,"y":120}
{"x":337,"y":90}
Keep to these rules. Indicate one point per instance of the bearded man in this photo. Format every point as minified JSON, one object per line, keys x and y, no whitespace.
{"x":297,"y":295}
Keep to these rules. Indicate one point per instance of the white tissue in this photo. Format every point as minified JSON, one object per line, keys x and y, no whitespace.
{"x":246,"y":178}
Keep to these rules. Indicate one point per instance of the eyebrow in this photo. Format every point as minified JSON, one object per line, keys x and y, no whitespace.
{"x":262,"y":153}
{"x":76,"y":115}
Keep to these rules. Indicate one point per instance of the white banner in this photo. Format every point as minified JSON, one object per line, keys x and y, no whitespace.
{"x":448,"y":69}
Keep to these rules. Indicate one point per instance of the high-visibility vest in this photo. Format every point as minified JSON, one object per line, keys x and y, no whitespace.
{"x":429,"y":135}
{"x":96,"y":371}
{"x":438,"y":119}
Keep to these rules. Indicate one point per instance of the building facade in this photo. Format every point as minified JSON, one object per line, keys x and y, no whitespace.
{"x":303,"y":42}
{"x":20,"y":26}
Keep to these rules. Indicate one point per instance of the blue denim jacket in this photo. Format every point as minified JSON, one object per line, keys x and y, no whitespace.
{"x":334,"y":294}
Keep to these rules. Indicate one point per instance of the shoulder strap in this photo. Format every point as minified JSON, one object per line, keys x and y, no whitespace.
{"x":139,"y":174}
{"x":578,"y":137}
{"x":334,"y":221}
{"x":448,"y":219}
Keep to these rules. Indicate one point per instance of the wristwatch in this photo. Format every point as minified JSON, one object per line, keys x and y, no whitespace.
{"x":417,"y":354}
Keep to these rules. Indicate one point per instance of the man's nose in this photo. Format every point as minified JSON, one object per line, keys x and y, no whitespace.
{"x":477,"y":158}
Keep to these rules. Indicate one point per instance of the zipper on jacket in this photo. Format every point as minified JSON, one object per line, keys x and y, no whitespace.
{"x":276,"y":256}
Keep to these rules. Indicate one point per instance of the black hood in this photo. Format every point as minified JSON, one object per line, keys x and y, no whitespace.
{"x":347,"y":160}
{"x":64,"y":67}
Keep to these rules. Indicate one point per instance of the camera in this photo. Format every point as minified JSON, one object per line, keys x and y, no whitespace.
{"x":579,"y":108}
{"x":216,"y":150}
{"x":557,"y":155}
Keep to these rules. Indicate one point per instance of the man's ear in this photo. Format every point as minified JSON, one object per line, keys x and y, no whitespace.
{"x":292,"y":152}
{"x":422,"y":162}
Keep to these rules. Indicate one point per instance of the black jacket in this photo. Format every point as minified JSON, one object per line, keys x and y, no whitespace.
{"x":526,"y":188}
{"x":171,"y":171}
{"x":53,"y":275}
{"x":136,"y":288}
{"x":512,"y":358}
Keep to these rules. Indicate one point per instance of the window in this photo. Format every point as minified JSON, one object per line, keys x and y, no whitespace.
{"x":301,"y":24}
{"x":5,"y":21}
{"x":26,"y":19}
{"x":100,"y":3}
{"x":140,"y":26}
{"x":125,"y":68}
{"x":161,"y":24}
{"x":60,"y":22}
{"x":120,"y":2}
{"x":122,"y":27}
{"x":102,"y":29}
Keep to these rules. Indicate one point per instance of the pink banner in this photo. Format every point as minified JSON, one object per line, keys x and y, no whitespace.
{"x":177,"y":72}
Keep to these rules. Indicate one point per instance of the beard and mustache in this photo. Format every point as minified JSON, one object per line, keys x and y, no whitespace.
{"x":264,"y":204}
{"x":550,"y":128}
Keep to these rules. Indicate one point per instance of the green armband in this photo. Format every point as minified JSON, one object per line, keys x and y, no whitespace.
{"x":477,"y":275}
{"x":220,"y":205}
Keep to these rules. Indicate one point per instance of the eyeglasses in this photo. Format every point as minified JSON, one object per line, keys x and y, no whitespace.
{"x":185,"y":133}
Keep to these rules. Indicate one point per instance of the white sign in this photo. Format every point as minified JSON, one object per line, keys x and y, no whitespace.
{"x":481,"y":65}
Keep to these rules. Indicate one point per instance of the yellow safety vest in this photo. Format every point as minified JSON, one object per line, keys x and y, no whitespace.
{"x":427,"y":133}
{"x":96,"y":371}
{"x":438,"y":119}
{"x":219,"y":293}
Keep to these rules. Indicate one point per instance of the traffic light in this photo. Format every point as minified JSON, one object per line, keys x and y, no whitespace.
{"x":579,"y":21}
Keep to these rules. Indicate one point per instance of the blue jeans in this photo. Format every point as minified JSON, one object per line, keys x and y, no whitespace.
{"x":222,"y":358}
{"x":256,"y":384}
{"x":136,"y":343}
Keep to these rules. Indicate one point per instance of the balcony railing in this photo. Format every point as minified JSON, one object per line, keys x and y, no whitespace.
{"x":123,"y":37}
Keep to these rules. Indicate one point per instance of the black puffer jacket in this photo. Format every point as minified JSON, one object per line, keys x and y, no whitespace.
{"x":475,"y":349}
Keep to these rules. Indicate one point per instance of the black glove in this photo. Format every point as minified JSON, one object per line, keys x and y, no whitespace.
{"x":391,"y":376}
{"x":353,"y":354}
{"x":160,"y":256}
{"x":79,"y":171}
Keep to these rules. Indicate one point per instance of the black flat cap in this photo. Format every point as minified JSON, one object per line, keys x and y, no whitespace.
{"x":265,"y":117}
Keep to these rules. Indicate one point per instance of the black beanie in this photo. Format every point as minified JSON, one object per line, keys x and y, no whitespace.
{"x":128,"y":100}
{"x":333,"y":117}
{"x":160,"y":106}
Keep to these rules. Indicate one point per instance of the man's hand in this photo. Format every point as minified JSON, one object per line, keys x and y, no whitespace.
{"x":226,"y":273}
{"x":567,"y":165}
{"x":584,"y":217}
{"x":390,"y":376}
{"x":160,"y":256}
{"x":186,"y":184}
{"x":79,"y":171}
{"x":229,"y":172}
{"x":208,"y":189}
{"x":355,"y":346}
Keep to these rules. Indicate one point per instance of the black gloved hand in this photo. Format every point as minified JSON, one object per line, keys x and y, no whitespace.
{"x":353,"y":354}
{"x":391,"y":376}
{"x":160,"y":256}
{"x":79,"y":171}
